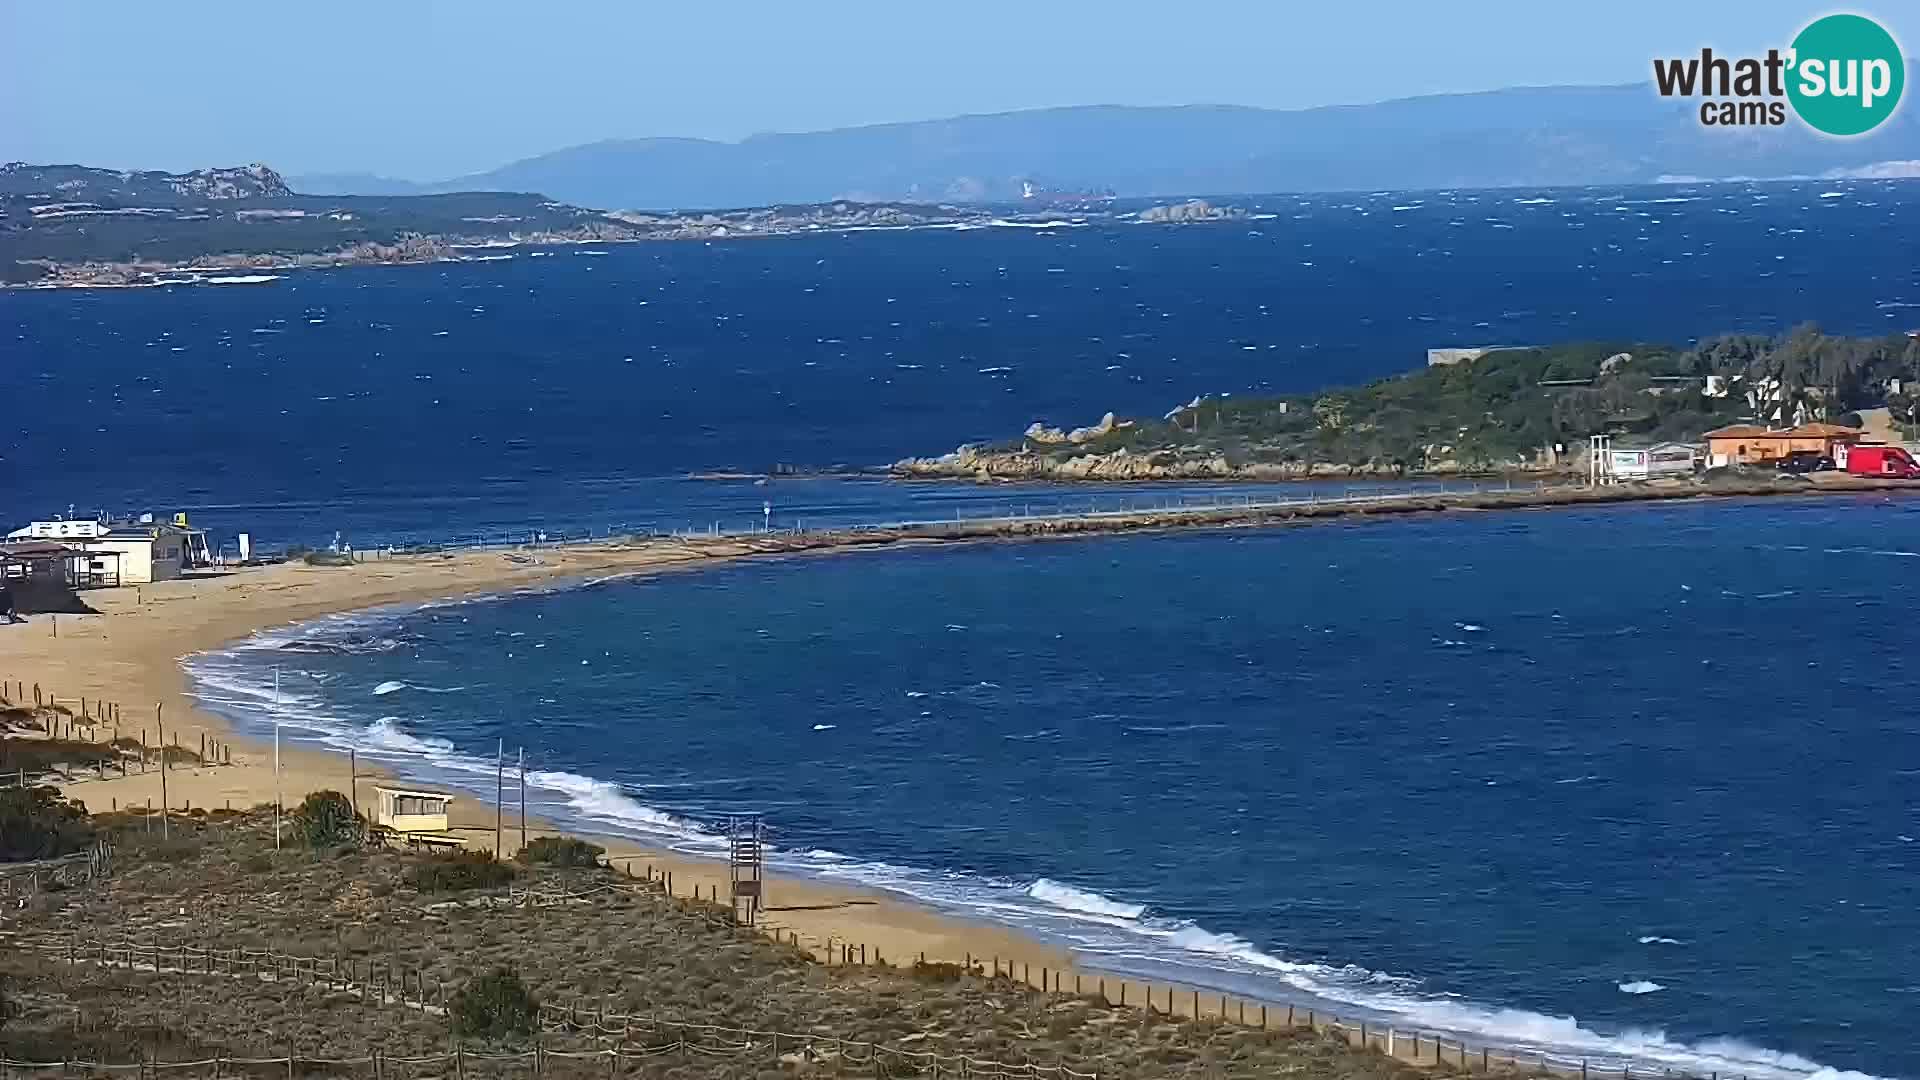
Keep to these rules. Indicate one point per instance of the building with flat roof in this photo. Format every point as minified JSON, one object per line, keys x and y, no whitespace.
{"x":1654,"y":462}
{"x":408,"y":810}
{"x":125,"y":552}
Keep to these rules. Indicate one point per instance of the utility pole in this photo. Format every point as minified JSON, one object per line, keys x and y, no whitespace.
{"x":499,"y":797}
{"x":523,"y":797}
{"x":165,"y":832}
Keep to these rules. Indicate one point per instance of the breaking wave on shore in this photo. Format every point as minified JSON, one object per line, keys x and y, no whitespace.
{"x":259,"y":683}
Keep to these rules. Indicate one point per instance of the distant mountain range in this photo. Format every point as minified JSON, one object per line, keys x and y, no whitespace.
{"x":1522,"y":137}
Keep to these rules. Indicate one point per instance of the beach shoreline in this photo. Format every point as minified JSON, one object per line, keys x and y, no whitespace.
{"x":133,"y":651}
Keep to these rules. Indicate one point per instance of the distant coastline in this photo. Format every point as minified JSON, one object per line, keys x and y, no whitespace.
{"x":72,"y":227}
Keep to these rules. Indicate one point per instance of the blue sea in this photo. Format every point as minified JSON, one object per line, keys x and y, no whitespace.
{"x":1633,"y":785}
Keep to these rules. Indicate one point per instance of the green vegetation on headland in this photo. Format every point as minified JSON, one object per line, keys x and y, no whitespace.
{"x":1520,"y":410}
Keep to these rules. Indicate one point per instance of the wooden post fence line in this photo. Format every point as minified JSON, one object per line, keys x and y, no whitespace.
{"x":384,"y":984}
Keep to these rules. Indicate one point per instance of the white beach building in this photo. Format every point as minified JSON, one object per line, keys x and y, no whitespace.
{"x":1653,"y":462}
{"x":131,"y":552}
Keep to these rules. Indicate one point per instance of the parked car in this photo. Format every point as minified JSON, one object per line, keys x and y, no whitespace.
{"x":1805,"y":461}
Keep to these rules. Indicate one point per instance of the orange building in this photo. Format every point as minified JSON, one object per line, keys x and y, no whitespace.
{"x":1753,"y":444}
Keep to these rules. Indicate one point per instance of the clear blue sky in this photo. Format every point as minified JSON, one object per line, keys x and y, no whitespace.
{"x":428,"y":89}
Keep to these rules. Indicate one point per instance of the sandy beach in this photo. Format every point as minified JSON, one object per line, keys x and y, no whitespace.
{"x":129,"y":654}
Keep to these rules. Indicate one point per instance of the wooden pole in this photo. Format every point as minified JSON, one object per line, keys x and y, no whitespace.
{"x":523,"y":798}
{"x":165,"y":832}
{"x":499,"y":795}
{"x":353,"y":785}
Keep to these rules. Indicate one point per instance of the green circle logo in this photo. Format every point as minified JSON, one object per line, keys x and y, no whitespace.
{"x":1847,"y":75}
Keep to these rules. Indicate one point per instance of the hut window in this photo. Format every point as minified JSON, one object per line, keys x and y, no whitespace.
{"x":414,"y":804}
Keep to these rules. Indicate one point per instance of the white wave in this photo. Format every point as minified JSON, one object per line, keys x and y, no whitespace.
{"x":1532,"y":202}
{"x":392,"y":685}
{"x":1641,"y":986}
{"x":1833,"y":194}
{"x":824,"y":727}
{"x":486,"y":258}
{"x":1066,"y":896}
{"x":387,"y":734}
{"x":1004,"y":224}
{"x":1471,"y":628}
{"x":608,"y":803}
{"x":1111,"y":934}
{"x":1654,"y":939}
{"x":242,"y":279}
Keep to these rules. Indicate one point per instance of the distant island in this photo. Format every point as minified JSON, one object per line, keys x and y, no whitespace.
{"x":70,"y":225}
{"x":1530,"y":137}
{"x":1475,"y":410}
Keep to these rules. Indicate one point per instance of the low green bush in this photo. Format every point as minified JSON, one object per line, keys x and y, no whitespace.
{"x":496,"y":1005}
{"x":458,"y":870}
{"x":561,"y":851}
{"x":937,"y":972}
{"x":36,"y":823}
{"x":326,"y":818}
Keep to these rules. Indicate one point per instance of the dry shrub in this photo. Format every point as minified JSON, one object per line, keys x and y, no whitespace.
{"x":496,"y":1005}
{"x":459,"y":870}
{"x":561,"y":851}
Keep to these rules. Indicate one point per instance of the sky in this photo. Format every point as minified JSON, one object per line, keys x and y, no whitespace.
{"x":430,"y":89}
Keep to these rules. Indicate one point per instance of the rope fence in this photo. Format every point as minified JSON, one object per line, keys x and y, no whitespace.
{"x":379,"y":984}
{"x":387,"y":984}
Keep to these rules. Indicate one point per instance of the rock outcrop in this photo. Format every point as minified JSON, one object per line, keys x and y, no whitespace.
{"x":975,"y":463}
{"x":1053,"y":436}
{"x":1191,"y":210}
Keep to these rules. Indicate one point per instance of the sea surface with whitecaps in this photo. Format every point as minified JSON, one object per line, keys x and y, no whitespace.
{"x":1636,"y":785}
{"x":1639,"y":786}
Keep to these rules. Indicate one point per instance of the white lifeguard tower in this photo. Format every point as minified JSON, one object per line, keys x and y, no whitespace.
{"x":406,"y":810}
